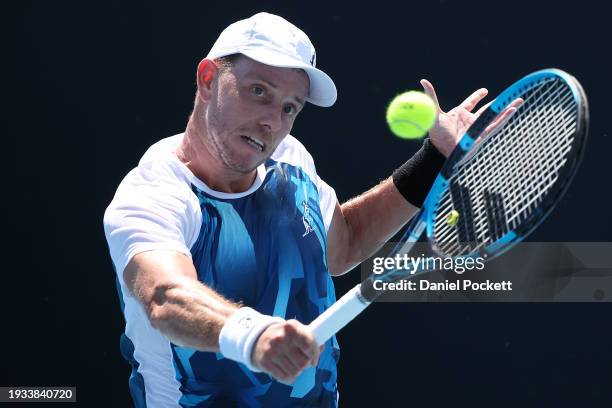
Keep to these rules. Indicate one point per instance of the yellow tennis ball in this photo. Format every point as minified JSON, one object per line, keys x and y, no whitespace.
{"x":411,"y":114}
{"x":452,"y":218}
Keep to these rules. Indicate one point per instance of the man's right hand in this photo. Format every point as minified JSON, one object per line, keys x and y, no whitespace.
{"x":285,"y":349}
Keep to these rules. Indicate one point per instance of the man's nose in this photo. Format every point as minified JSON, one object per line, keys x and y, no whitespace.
{"x":271,"y":119}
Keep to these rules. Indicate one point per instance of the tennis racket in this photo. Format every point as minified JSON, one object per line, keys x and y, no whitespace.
{"x":490,"y":195}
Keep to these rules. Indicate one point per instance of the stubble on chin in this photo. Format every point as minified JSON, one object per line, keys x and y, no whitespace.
{"x":222,"y":155}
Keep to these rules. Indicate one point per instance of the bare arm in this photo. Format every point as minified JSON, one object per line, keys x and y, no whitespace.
{"x":177,"y":304}
{"x":363,"y":224}
{"x":191,"y":314}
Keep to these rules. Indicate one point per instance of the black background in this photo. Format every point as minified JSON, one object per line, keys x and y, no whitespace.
{"x":89,"y":86}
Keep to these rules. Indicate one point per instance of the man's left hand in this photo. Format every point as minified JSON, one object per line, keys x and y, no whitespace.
{"x":451,"y":125}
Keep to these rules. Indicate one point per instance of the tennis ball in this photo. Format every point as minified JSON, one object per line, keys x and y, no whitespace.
{"x":452,"y":218}
{"x":411,"y":114}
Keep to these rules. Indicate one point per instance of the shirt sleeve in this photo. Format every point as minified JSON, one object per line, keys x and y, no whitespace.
{"x":327,"y":202}
{"x":149,"y":213}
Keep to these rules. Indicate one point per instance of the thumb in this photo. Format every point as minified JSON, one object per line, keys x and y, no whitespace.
{"x":315,"y":361}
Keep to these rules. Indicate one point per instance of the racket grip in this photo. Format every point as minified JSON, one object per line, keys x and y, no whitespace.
{"x":338,"y":315}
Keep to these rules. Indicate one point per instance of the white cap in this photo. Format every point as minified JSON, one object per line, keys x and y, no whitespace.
{"x":274,"y":41}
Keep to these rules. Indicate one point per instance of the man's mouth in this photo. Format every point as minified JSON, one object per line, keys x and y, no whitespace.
{"x":253,"y":141}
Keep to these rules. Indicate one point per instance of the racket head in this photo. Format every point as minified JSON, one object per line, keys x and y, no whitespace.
{"x":491,"y":195}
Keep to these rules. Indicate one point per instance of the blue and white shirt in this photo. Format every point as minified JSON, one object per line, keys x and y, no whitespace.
{"x":265,"y":247}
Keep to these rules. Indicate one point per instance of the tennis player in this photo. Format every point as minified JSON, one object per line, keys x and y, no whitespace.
{"x":224,"y":238}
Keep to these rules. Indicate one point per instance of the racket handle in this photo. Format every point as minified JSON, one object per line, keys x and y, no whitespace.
{"x":338,"y":315}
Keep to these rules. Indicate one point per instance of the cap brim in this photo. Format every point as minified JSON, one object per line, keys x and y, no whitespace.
{"x":322,"y":89}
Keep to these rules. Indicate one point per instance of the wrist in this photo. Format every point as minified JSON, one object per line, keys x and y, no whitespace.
{"x":240,"y":332}
{"x":415,"y":177}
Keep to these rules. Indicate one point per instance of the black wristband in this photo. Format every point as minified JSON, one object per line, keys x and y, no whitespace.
{"x":415,"y":177}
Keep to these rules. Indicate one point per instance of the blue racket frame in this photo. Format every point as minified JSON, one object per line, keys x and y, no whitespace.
{"x":361,"y":296}
{"x":424,"y":220}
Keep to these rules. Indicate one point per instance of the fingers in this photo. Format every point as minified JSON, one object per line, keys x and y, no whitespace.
{"x":288,"y":368}
{"x":505,"y":115}
{"x":277,"y":371}
{"x":429,"y":90}
{"x":482,"y":109}
{"x":285,"y":349}
{"x":501,"y":119}
{"x":472,"y":100}
{"x":305,"y":341}
{"x":516,"y":103}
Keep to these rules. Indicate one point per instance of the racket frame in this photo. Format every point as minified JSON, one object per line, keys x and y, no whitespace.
{"x":362,"y":295}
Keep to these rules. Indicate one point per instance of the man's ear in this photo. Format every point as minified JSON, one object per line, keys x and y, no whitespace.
{"x":207,"y":72}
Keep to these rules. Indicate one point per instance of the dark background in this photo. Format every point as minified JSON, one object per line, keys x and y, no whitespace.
{"x":89,"y":86}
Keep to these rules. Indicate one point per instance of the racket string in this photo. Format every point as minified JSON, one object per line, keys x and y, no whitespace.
{"x":540,"y":163}
{"x":533,"y":153}
{"x":525,"y":166}
{"x":551,"y":150}
{"x":498,"y":147}
{"x":475,"y":173}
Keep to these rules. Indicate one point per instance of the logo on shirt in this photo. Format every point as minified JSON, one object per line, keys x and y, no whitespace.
{"x":307,"y":219}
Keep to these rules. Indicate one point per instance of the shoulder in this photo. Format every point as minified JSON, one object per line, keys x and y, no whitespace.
{"x":159,"y":181}
{"x":153,"y":208}
{"x":293,"y":152}
{"x":158,"y":170}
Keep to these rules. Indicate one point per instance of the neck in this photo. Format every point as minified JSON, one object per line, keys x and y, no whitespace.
{"x":196,"y":155}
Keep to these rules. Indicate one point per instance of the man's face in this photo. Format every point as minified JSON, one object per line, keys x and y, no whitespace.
{"x":251,"y":109}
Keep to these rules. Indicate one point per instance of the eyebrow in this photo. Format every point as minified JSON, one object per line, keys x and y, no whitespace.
{"x":273,"y":85}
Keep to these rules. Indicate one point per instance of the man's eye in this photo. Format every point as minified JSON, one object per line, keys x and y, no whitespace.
{"x":257,"y":91}
{"x":289,"y":109}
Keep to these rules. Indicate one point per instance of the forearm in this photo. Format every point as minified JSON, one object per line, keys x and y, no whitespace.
{"x":371,"y":219}
{"x":376,"y":216}
{"x":190,"y":314}
{"x":187,"y":312}
{"x":193,"y":315}
{"x":362,"y":225}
